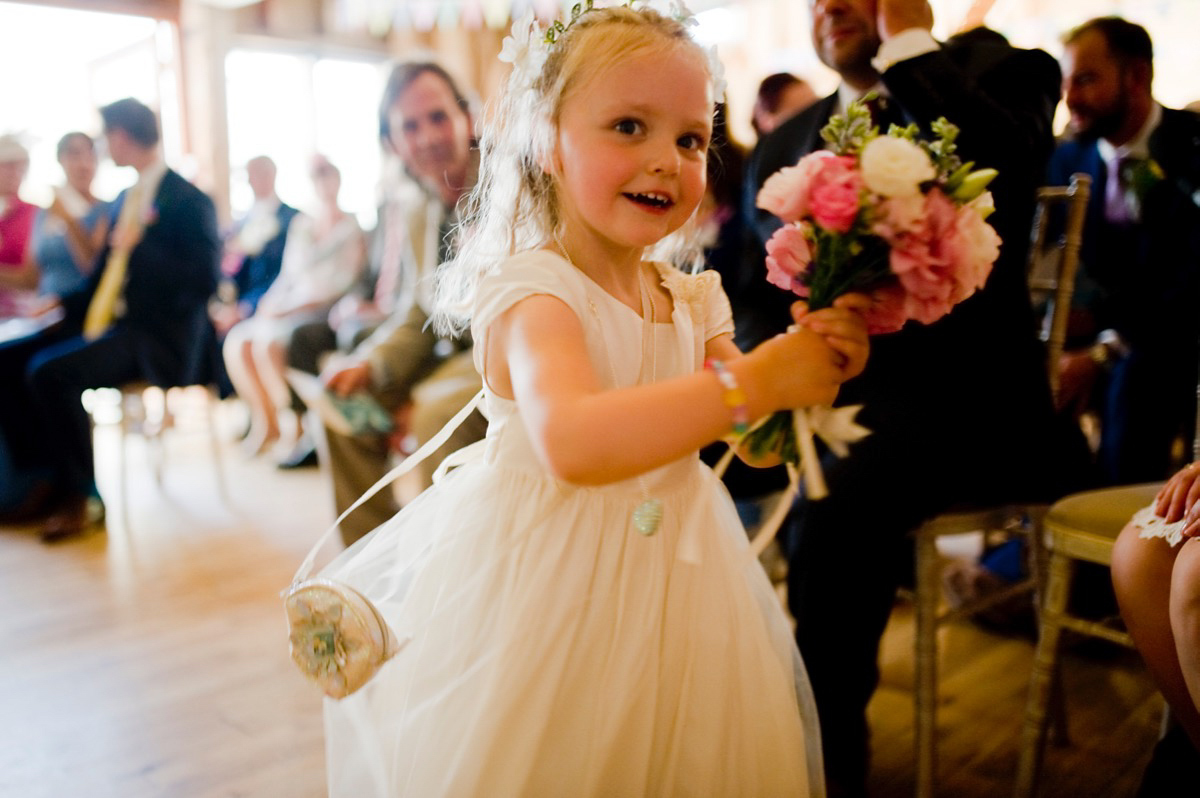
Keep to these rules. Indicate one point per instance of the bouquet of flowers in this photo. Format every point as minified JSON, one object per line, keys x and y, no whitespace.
{"x":888,"y":215}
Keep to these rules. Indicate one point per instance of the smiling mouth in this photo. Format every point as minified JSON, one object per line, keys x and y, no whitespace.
{"x":658,"y":202}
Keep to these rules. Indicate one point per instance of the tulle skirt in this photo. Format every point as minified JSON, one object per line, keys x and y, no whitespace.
{"x":549,"y":649}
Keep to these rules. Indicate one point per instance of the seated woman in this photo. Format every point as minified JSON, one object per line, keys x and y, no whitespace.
{"x":1156,"y":575}
{"x":17,"y":277}
{"x":69,"y":234}
{"x":324,"y":256}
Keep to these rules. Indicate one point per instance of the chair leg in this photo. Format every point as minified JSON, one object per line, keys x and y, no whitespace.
{"x":1045,"y":668}
{"x":211,"y":403}
{"x":154,"y":423}
{"x":925,"y":643}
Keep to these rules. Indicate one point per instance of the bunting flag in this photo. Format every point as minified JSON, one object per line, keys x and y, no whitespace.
{"x":447,"y":18}
{"x":380,"y":17}
{"x":423,"y":14}
{"x":495,"y":13}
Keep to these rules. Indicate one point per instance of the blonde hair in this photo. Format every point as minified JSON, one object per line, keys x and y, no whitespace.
{"x":514,"y":206}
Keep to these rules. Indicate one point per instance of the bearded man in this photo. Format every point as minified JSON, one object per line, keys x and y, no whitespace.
{"x":1132,"y":348}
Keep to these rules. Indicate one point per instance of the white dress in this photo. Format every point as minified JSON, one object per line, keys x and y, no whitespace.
{"x":549,"y":648}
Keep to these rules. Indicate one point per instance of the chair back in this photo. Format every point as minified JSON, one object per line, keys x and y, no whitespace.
{"x":1054,"y":262}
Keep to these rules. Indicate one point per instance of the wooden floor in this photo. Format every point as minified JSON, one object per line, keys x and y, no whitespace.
{"x":152,"y":660}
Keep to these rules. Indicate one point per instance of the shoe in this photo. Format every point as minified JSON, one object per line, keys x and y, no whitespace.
{"x":302,"y":455}
{"x":69,"y":520}
{"x":33,"y":507}
{"x":95,"y":512}
{"x":1173,"y":763}
{"x":258,"y":442}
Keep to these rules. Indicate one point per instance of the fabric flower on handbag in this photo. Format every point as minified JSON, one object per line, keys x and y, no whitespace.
{"x":337,"y":637}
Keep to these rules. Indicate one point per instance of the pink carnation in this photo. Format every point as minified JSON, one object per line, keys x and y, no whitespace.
{"x":834,"y":198}
{"x":788,"y":257}
{"x":973,"y":247}
{"x":941,"y":259}
{"x":899,"y":216}
{"x":786,"y":193}
{"x":921,"y":261}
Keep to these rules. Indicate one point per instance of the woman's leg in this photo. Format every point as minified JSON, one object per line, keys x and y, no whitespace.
{"x":241,"y":364}
{"x":1142,"y":578}
{"x":1185,"y":625}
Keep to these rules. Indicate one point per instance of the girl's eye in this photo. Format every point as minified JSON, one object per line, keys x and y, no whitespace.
{"x":693,"y":141}
{"x":629,"y":127}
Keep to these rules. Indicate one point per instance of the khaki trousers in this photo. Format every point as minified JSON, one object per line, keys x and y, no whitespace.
{"x":358,"y":462}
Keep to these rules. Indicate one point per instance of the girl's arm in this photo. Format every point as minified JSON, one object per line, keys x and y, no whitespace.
{"x":536,"y":353}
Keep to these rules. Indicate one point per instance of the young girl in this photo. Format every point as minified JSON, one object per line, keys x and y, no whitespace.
{"x":577,"y":609}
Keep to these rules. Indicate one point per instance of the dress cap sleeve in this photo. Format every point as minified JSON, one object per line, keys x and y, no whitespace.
{"x":704,"y":297}
{"x":524,"y":275}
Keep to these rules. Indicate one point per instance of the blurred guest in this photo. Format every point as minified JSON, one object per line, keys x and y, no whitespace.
{"x":1134,"y":329}
{"x":422,"y":379}
{"x":970,"y":388}
{"x":323,"y":257}
{"x":780,"y":97}
{"x":69,"y":234}
{"x":141,"y":315}
{"x":253,"y":249}
{"x":17,"y":278}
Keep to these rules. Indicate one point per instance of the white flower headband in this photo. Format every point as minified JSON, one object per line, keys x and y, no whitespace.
{"x":529,"y":45}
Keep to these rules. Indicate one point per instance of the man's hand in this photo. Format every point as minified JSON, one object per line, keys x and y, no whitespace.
{"x":44,"y":305}
{"x":894,"y":16}
{"x":348,"y":378}
{"x":1077,"y":375}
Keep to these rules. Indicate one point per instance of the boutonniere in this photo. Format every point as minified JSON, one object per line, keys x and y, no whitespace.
{"x":1138,"y":176}
{"x":149,"y":215}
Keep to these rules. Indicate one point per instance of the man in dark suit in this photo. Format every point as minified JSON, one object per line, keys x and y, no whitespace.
{"x":254,"y":248}
{"x":142,"y":315}
{"x":1135,"y":324}
{"x":960,"y":408}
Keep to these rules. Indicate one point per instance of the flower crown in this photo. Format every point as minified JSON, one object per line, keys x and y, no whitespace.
{"x":528,"y":47}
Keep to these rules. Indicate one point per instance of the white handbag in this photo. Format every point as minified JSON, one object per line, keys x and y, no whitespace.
{"x":338,"y":638}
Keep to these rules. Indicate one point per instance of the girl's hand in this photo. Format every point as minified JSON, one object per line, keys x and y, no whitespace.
{"x":795,"y":369}
{"x":844,"y":328}
{"x":1180,"y":497}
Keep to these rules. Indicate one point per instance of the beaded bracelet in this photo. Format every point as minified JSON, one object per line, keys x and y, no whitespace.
{"x":733,"y":397}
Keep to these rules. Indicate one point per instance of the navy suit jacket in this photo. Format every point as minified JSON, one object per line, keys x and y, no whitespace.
{"x":257,"y":272}
{"x":172,"y":274}
{"x":980,"y":371}
{"x":1149,"y":296}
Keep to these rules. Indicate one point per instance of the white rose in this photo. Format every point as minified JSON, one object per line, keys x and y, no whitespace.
{"x":895,"y":167}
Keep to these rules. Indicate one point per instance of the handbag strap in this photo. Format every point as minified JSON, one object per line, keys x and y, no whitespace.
{"x":410,"y":462}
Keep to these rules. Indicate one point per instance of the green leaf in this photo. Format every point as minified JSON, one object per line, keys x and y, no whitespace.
{"x":974,"y":184}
